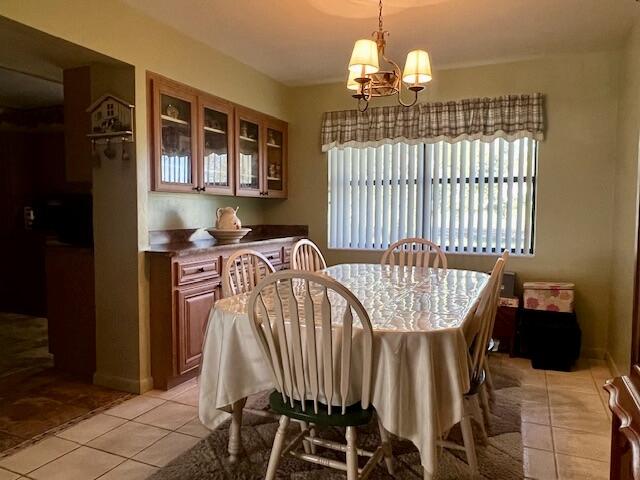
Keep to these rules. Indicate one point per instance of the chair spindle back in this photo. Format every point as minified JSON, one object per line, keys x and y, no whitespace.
{"x":243,"y":270}
{"x":414,"y":252}
{"x":288,"y":311}
{"x":307,"y":256}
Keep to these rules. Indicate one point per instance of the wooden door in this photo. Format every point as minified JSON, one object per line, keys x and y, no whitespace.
{"x":194,"y":305}
{"x":275,"y":158}
{"x":216,"y":126}
{"x":174,"y":117}
{"x":249,"y":153}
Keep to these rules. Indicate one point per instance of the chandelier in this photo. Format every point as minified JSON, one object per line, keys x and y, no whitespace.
{"x":368,"y":80}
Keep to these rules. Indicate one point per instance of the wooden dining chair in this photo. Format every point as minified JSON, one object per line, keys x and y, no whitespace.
{"x":288,"y":311}
{"x":472,"y":401}
{"x":414,"y":252}
{"x":491,"y":342}
{"x":243,"y":270}
{"x":307,"y":256}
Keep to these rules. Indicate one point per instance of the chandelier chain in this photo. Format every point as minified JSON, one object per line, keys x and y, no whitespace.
{"x":380,"y":15}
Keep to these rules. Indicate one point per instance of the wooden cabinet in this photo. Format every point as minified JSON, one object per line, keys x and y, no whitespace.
{"x":183,"y":290}
{"x":204,"y":144}
{"x":216,"y":146}
{"x":174,"y":119}
{"x":261,"y":155}
{"x":194,"y":305}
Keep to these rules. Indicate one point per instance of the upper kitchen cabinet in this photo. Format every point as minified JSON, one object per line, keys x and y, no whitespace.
{"x":174,"y":116}
{"x":250,"y":153}
{"x":204,"y":144}
{"x":216,"y":146}
{"x":261,"y":158}
{"x":275,"y":151}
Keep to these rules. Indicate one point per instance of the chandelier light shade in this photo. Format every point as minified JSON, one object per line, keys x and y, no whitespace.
{"x":417,"y":68}
{"x":364,"y":58}
{"x":351,"y":81}
{"x":367,"y":79}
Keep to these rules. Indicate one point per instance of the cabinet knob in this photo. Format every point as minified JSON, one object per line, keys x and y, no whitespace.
{"x":201,"y":270}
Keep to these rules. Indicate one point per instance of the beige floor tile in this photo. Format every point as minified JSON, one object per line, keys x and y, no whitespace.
{"x":581,"y":444}
{"x":37,"y":455}
{"x":91,"y":428}
{"x":532,"y":377}
{"x":130,"y":470}
{"x":591,"y":402}
{"x":166,"y":449}
{"x":537,"y":436}
{"x":128,"y":439}
{"x":195,"y":429}
{"x":580,"y":383}
{"x":7,"y":475}
{"x":584,"y":420}
{"x":135,"y":407}
{"x":189,"y":397}
{"x":533,"y":412}
{"x":168,"y":415}
{"x":169,"y":394}
{"x":539,"y":464}
{"x":517,"y":362}
{"x":575,"y":468}
{"x":81,"y":464}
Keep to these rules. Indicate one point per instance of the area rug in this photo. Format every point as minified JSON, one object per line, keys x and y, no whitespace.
{"x":500,"y":458}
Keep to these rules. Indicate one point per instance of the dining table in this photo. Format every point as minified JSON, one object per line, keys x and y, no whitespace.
{"x":423,"y":322}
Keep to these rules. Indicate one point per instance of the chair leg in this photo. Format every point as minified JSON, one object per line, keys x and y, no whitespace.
{"x":386,"y":448}
{"x":469,"y":445}
{"x":312,"y":434}
{"x":308,"y":446}
{"x":352,"y":454}
{"x":488,"y":378}
{"x":486,"y":409}
{"x":276,"y":450}
{"x":476,"y":413}
{"x":234,"y":430}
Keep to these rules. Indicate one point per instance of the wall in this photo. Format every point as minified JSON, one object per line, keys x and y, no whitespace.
{"x":625,"y":212}
{"x":116,"y":30}
{"x":575,"y":194}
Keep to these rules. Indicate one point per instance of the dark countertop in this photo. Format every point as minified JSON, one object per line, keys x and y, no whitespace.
{"x":208,"y":246}
{"x":176,"y":243}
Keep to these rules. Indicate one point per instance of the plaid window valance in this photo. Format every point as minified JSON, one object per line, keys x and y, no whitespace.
{"x":508,"y":117}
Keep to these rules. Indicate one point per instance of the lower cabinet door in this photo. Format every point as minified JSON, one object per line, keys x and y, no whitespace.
{"x":194,"y":305}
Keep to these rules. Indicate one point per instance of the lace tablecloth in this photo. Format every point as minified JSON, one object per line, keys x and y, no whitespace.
{"x":422,"y":320}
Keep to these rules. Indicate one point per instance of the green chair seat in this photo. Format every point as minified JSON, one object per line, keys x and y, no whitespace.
{"x":353,"y":417}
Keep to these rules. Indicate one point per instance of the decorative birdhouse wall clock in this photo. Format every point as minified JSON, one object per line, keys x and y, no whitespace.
{"x":111,"y":123}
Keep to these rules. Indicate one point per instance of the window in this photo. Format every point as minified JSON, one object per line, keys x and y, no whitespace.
{"x":469,"y":196}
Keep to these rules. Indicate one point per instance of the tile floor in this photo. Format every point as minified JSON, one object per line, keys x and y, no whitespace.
{"x":565,"y":431}
{"x":34,"y":397}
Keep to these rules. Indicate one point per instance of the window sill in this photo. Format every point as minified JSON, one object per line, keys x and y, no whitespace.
{"x":461,"y":254}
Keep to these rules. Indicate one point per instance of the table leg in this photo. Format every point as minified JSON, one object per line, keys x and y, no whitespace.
{"x":234,"y":430}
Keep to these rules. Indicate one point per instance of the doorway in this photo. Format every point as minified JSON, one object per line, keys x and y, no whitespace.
{"x":47,"y":295}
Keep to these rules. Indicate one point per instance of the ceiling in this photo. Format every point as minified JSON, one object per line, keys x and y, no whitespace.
{"x":19,"y":90}
{"x":309,"y":41}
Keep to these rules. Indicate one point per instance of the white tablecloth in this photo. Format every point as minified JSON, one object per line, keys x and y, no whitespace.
{"x":421,"y":317}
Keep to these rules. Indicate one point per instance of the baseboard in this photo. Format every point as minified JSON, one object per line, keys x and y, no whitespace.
{"x":613,"y":368}
{"x":124,"y":384}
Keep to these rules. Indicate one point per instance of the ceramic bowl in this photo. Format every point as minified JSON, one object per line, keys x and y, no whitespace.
{"x":228,"y":236}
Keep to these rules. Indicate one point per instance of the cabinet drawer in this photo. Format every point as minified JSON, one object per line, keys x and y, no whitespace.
{"x":195,"y":270}
{"x":274,"y":255}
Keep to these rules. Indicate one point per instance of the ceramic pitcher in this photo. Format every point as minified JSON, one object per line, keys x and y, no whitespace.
{"x":227,"y":218}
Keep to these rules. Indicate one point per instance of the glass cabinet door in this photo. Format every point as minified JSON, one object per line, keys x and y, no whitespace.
{"x":249,"y":157}
{"x":275,"y":161}
{"x":216,"y":148}
{"x":176,"y":147}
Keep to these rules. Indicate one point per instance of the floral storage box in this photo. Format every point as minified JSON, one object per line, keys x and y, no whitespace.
{"x":550,"y":296}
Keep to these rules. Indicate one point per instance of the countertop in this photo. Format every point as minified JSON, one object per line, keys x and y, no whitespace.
{"x":208,"y":246}
{"x":175,"y":243}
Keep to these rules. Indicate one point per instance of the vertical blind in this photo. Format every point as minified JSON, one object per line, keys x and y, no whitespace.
{"x":468,"y":196}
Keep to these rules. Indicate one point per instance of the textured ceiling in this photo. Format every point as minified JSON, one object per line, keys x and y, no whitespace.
{"x":309,"y":41}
